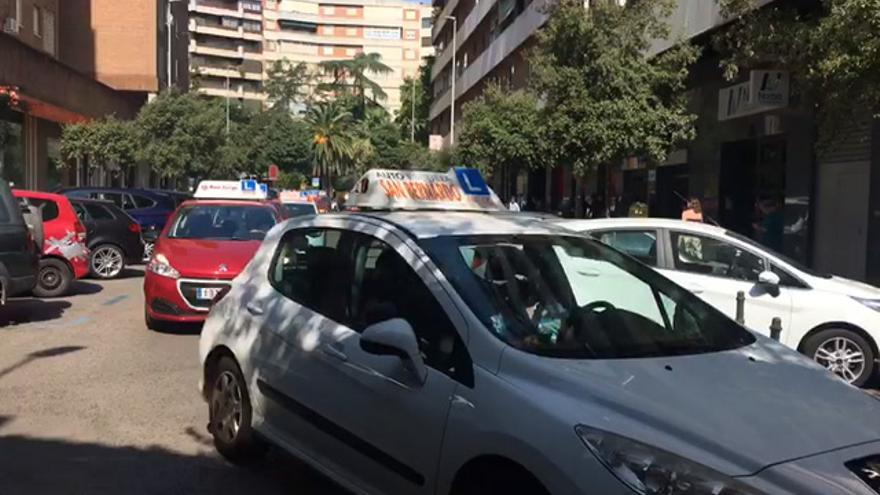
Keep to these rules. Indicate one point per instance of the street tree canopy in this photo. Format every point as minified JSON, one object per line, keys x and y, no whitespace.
{"x":107,"y":141}
{"x":502,"y":128}
{"x":288,"y":84}
{"x":831,"y":49}
{"x":605,"y":100}
{"x":424,"y":96}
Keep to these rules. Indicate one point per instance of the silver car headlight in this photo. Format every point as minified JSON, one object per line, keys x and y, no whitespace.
{"x":871,"y":303}
{"x":652,"y":471}
{"x":161,"y":266}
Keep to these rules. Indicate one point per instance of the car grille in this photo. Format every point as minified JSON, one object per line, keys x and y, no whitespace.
{"x":189,"y":288}
{"x":868,"y":470}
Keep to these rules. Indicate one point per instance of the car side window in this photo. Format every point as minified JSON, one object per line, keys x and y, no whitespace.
{"x":142,"y":201}
{"x":312,"y":268}
{"x":640,"y":244}
{"x":48,"y":208}
{"x":98,"y":212}
{"x":786,"y":279}
{"x":709,"y":256}
{"x":80,"y":211}
{"x":385,"y":286}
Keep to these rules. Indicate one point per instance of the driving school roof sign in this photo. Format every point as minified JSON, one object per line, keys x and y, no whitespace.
{"x":231,"y":189}
{"x":459,"y":189}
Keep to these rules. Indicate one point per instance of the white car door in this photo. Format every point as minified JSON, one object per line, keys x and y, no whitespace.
{"x":366,"y":417}
{"x":716,"y":269}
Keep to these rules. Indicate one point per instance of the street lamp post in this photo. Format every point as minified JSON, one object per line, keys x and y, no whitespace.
{"x":452,"y":105}
{"x":169,"y":22}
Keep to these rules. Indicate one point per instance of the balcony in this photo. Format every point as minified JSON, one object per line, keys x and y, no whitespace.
{"x":243,"y":9}
{"x":441,"y":19}
{"x":509,"y":40}
{"x":232,"y":73}
{"x":197,"y":26}
{"x":465,"y":30}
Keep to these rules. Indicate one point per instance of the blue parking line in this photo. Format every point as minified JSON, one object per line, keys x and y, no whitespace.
{"x":114,"y":300}
{"x":76,"y":321}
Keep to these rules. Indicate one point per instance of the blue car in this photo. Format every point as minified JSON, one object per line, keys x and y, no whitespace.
{"x":150,"y":208}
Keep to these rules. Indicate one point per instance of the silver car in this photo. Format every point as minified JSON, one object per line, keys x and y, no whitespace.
{"x":477,"y":353}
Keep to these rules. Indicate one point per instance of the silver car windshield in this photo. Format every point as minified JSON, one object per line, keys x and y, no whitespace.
{"x":573,"y":297}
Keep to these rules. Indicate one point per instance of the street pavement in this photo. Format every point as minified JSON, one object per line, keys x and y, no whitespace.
{"x":91,"y":402}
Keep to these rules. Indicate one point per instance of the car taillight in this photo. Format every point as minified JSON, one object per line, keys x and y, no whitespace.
{"x":134,"y":227}
{"x":80,"y":230}
{"x":219,"y":296}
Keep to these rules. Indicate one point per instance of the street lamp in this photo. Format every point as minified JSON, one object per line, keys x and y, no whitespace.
{"x":169,"y":23}
{"x":452,"y":106}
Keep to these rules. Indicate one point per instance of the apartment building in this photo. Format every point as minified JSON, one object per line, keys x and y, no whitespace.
{"x":46,"y":92}
{"x":313,"y":31}
{"x":226,"y":48}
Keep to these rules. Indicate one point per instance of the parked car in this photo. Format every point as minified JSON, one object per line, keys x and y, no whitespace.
{"x":65,"y":256}
{"x":463,"y":353}
{"x":113,"y":237}
{"x":831,"y":319}
{"x":19,"y":254}
{"x":151,"y":209}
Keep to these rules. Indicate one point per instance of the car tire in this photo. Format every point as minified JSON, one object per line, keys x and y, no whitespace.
{"x":502,"y":481}
{"x":230,"y":413}
{"x":106,"y":261}
{"x":53,"y":278}
{"x":831,"y":347}
{"x":152,"y":323}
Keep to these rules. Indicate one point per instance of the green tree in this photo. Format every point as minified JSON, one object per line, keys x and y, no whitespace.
{"x":831,"y":49}
{"x":290,"y":180}
{"x":353,"y":76}
{"x":266,"y":138}
{"x":107,"y":142}
{"x":181,"y":135}
{"x":288,"y":84}
{"x":502,"y":128}
{"x":330,"y":127}
{"x":424,"y":97}
{"x":604,"y":99}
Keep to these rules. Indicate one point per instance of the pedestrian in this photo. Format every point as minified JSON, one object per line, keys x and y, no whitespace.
{"x":513,"y":205}
{"x":769,"y":231}
{"x":588,"y":206}
{"x":693,"y":211}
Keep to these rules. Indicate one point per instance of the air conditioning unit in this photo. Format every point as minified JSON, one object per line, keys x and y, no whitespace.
{"x":10,"y":25}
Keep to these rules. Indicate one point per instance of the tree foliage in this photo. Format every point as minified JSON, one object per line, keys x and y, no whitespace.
{"x":288,"y":84}
{"x":181,"y":133}
{"x":605,"y":99}
{"x":353,"y":76}
{"x":104,"y":142}
{"x":266,"y":138}
{"x":330,"y":126}
{"x":424,"y":97}
{"x":831,"y":49}
{"x":502,"y":128}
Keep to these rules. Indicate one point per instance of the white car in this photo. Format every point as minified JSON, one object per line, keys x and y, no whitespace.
{"x":465,"y":353}
{"x":833,"y":320}
{"x":299,"y":208}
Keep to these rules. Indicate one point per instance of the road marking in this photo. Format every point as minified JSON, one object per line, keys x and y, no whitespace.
{"x":114,"y":300}
{"x":75,"y":322}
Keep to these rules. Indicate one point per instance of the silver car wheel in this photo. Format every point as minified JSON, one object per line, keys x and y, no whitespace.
{"x":842,"y":357}
{"x":107,"y":262}
{"x":226,"y":407}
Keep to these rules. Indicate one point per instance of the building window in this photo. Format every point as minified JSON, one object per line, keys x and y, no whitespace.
{"x":38,"y":23}
{"x":351,"y":31}
{"x":271,"y":46}
{"x":426,"y":42}
{"x":427,"y":22}
{"x":327,"y":50}
{"x":410,"y":15}
{"x":252,"y":26}
{"x":49,"y":32}
{"x":350,"y":52}
{"x":329,"y":30}
{"x":328,"y":10}
{"x":410,"y":34}
{"x":351,"y":11}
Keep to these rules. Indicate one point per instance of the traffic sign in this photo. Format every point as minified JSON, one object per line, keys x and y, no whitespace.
{"x":273,"y":172}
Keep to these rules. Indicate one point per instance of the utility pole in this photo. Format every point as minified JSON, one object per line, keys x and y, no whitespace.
{"x":452,"y":105}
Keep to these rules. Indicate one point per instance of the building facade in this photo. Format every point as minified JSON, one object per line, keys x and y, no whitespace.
{"x":747,"y":150}
{"x":68,"y":61}
{"x":234,"y":43}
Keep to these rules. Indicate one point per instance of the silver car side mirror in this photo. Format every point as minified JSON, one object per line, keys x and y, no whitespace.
{"x":768,"y":278}
{"x":395,"y":337}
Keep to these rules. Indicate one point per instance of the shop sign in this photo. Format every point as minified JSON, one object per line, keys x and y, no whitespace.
{"x":382,"y":33}
{"x":771,"y":93}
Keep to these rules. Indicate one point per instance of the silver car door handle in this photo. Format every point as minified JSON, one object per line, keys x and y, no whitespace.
{"x":254,"y":309}
{"x":332,"y":351}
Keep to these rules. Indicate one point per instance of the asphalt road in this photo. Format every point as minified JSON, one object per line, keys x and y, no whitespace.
{"x":91,"y":402}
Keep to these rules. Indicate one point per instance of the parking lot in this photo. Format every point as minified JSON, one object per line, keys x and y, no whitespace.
{"x":106,"y":406}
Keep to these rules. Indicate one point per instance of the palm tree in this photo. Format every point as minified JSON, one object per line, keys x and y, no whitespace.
{"x":331,"y":142}
{"x":357,"y":71}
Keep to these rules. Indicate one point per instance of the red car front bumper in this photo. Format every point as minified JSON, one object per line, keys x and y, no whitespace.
{"x":164,"y":301}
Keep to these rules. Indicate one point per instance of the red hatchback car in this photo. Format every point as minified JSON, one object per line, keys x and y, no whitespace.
{"x":65,"y":256}
{"x":205,"y":244}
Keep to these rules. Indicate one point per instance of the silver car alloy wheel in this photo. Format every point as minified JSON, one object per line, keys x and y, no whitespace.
{"x":841,"y":356}
{"x":107,"y":261}
{"x":226,"y":407}
{"x":148,"y":251}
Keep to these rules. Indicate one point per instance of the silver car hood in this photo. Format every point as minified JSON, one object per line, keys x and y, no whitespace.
{"x":735,"y":411}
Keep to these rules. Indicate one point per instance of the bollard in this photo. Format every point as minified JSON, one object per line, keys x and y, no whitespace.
{"x":741,"y":307}
{"x":775,"y":328}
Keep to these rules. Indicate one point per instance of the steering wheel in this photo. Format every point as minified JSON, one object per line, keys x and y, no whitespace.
{"x":578,"y":321}
{"x":734,"y":264}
